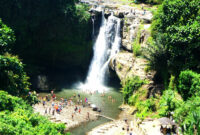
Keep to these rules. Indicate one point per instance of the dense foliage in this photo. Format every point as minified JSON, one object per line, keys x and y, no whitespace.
{"x":177,"y":23}
{"x":188,"y":116}
{"x":148,"y":1}
{"x":189,"y":84}
{"x":174,"y":50}
{"x":13,"y":78}
{"x":6,"y":38}
{"x":16,"y":114}
{"x":130,"y":85}
{"x":50,"y":34}
{"x":157,"y":56}
{"x":168,"y":103}
{"x":17,"y":118}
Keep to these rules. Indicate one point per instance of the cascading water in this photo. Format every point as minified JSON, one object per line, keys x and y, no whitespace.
{"x":106,"y":46}
{"x":93,"y":26}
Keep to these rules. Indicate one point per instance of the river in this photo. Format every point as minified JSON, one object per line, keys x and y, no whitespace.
{"x":108,"y":108}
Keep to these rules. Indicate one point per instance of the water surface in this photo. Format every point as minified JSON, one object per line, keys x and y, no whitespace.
{"x":108,"y":108}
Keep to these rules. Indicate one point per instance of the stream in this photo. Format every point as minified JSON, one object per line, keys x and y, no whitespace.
{"x":108,"y":108}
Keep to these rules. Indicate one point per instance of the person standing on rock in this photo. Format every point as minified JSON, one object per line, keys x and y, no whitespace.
{"x":49,"y":110}
{"x":88,"y":115}
{"x":79,"y":110}
{"x":72,"y":116}
{"x":44,"y":101}
{"x":53,"y":112}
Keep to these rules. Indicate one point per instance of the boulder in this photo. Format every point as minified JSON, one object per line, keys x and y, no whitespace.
{"x":121,"y":15}
{"x":106,"y":15}
{"x":126,"y":65}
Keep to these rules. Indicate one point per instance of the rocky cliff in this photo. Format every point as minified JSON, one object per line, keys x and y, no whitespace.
{"x":136,"y":23}
{"x":135,"y":29}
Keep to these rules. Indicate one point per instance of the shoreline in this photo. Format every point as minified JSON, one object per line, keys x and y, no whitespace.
{"x":65,"y":116}
{"x":126,"y":123}
{"x":122,"y":125}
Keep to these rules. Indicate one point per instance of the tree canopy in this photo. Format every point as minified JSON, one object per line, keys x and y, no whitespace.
{"x":178,"y":23}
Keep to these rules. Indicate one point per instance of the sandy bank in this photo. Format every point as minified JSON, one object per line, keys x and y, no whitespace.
{"x":65,"y":116}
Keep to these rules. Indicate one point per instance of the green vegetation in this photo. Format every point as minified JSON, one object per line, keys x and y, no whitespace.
{"x":189,"y":84}
{"x":137,"y":44}
{"x":6,"y":38}
{"x":148,"y":1}
{"x":173,"y":50}
{"x":130,"y":85}
{"x":176,"y":25}
{"x":119,"y":66}
{"x":188,"y":116}
{"x":146,"y":108}
{"x":50,"y":35}
{"x":17,"y":118}
{"x":14,"y":79}
{"x":16,"y":114}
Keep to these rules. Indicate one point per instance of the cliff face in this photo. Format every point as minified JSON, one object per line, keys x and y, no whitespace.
{"x":125,"y":65}
{"x":135,"y":32}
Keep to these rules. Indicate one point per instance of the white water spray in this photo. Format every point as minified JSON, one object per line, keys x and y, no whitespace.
{"x":107,"y":45}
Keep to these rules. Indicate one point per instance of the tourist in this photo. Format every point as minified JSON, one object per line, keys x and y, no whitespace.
{"x":74,"y":95}
{"x":47,"y":98}
{"x":81,"y":102}
{"x":52,"y":93}
{"x":75,"y":109}
{"x":45,"y":111}
{"x":112,"y":100}
{"x":54,"y":96}
{"x":49,"y":110}
{"x":144,"y":11}
{"x":52,"y":104}
{"x":72,"y":116}
{"x":44,"y":101}
{"x":79,"y":110}
{"x":127,"y":128}
{"x":126,"y":121}
{"x":53,"y":112}
{"x":88,"y":115}
{"x":86,"y":100}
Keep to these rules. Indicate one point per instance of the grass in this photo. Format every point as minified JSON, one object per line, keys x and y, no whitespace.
{"x":136,"y":44}
{"x":119,"y":66}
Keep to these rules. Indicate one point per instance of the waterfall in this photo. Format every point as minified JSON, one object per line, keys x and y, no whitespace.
{"x":93,"y":26}
{"x":106,"y":46}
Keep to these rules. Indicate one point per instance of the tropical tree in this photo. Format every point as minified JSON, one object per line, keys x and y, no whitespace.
{"x":6,"y":38}
{"x":157,"y":55}
{"x":178,"y":23}
{"x":13,"y":78}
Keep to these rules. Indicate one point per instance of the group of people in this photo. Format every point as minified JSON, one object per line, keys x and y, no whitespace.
{"x":58,"y":105}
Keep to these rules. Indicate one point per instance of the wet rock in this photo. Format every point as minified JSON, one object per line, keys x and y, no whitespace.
{"x":106,"y":15}
{"x":121,"y":15}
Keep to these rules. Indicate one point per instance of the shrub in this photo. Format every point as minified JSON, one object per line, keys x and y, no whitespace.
{"x":13,"y":78}
{"x":17,"y":117}
{"x":168,"y":103}
{"x":188,"y":84}
{"x":6,"y":38}
{"x":145,"y":108}
{"x":136,"y":44}
{"x":130,"y":85}
{"x":188,"y":116}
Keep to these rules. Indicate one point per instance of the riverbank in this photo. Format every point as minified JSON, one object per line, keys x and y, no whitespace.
{"x":68,"y":115}
{"x":125,"y":124}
